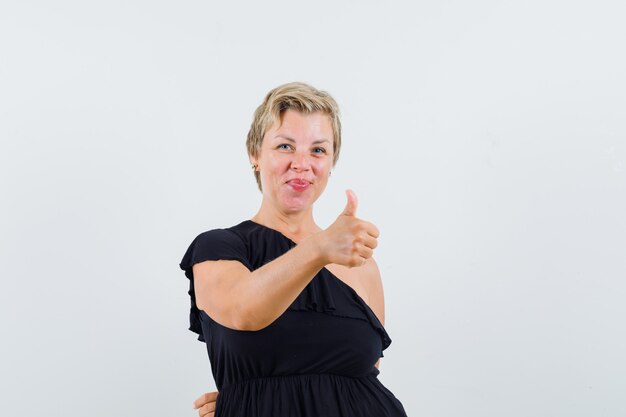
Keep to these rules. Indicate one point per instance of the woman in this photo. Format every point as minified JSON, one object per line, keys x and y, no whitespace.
{"x":292,"y":314}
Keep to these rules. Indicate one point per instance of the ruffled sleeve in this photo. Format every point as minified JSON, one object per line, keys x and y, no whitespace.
{"x":214,"y":245}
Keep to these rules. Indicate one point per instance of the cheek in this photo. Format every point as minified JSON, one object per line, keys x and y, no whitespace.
{"x":274,"y":167}
{"x":273,"y":160}
{"x":322,"y":167}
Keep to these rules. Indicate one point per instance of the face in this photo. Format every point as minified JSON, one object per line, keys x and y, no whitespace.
{"x":295,"y":160}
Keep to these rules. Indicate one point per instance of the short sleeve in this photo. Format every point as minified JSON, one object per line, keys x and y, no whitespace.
{"x":214,"y":245}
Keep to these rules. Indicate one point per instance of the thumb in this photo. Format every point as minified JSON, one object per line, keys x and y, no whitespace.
{"x":350,"y":209}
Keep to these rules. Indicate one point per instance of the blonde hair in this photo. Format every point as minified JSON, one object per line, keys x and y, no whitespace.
{"x":296,"y":96}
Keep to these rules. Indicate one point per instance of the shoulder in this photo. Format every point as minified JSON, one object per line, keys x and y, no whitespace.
{"x":218,"y":236}
{"x":374,"y":285}
{"x":217,"y":240}
{"x":217,"y":244}
{"x":371,"y":274}
{"x":237,"y":235}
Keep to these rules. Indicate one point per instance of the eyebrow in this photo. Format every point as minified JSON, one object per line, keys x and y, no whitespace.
{"x":293,"y":140}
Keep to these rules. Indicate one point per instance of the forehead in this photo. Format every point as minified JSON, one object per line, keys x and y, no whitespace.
{"x":298,"y":125}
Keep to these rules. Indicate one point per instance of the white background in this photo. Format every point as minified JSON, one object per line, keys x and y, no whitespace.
{"x":486,"y":140}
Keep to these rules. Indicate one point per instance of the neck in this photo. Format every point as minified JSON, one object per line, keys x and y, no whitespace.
{"x":295,"y":225}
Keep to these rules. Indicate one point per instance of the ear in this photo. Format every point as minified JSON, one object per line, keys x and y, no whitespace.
{"x":254,"y":163}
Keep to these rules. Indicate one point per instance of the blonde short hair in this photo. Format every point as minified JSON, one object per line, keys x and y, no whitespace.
{"x":296,"y":96}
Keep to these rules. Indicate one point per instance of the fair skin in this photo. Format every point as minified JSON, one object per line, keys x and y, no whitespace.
{"x":294,"y":163}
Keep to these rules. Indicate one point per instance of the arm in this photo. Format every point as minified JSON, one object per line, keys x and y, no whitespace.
{"x":377,"y":297}
{"x":244,"y":300}
{"x":375,"y":290}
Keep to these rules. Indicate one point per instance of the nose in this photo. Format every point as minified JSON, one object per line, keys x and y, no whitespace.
{"x":300,"y":162}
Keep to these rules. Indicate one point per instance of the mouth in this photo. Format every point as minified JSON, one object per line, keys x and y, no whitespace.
{"x":299,"y":184}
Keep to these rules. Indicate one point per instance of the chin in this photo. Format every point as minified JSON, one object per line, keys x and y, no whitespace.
{"x":295,"y":205}
{"x":298,"y":202}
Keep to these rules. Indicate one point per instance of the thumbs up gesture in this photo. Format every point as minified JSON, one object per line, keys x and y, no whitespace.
{"x":349,"y":241}
{"x":351,"y":205}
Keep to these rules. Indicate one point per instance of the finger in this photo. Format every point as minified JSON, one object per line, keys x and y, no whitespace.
{"x":370,"y":242}
{"x":206,"y":409}
{"x":364,"y":252}
{"x":351,"y":205}
{"x":205,"y":398}
{"x":356,"y":261}
{"x":372,"y":230}
{"x":209,"y":414}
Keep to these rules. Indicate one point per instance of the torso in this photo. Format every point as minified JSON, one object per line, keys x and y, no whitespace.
{"x":324,"y":345}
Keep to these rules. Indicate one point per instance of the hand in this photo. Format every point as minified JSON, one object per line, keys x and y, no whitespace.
{"x":349,"y":241}
{"x":205,"y":404}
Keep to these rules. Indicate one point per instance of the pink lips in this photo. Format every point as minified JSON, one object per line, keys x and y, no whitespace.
{"x":299,"y":184}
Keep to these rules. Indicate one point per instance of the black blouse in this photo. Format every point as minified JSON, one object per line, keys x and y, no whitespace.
{"x":316,"y":359}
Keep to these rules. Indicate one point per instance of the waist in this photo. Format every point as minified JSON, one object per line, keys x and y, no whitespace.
{"x":307,"y":395}
{"x":294,"y":380}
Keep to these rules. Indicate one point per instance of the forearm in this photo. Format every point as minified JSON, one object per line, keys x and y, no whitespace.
{"x":266,"y":293}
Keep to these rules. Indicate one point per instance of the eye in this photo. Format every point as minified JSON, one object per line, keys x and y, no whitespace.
{"x":284,"y":147}
{"x":319,"y":150}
